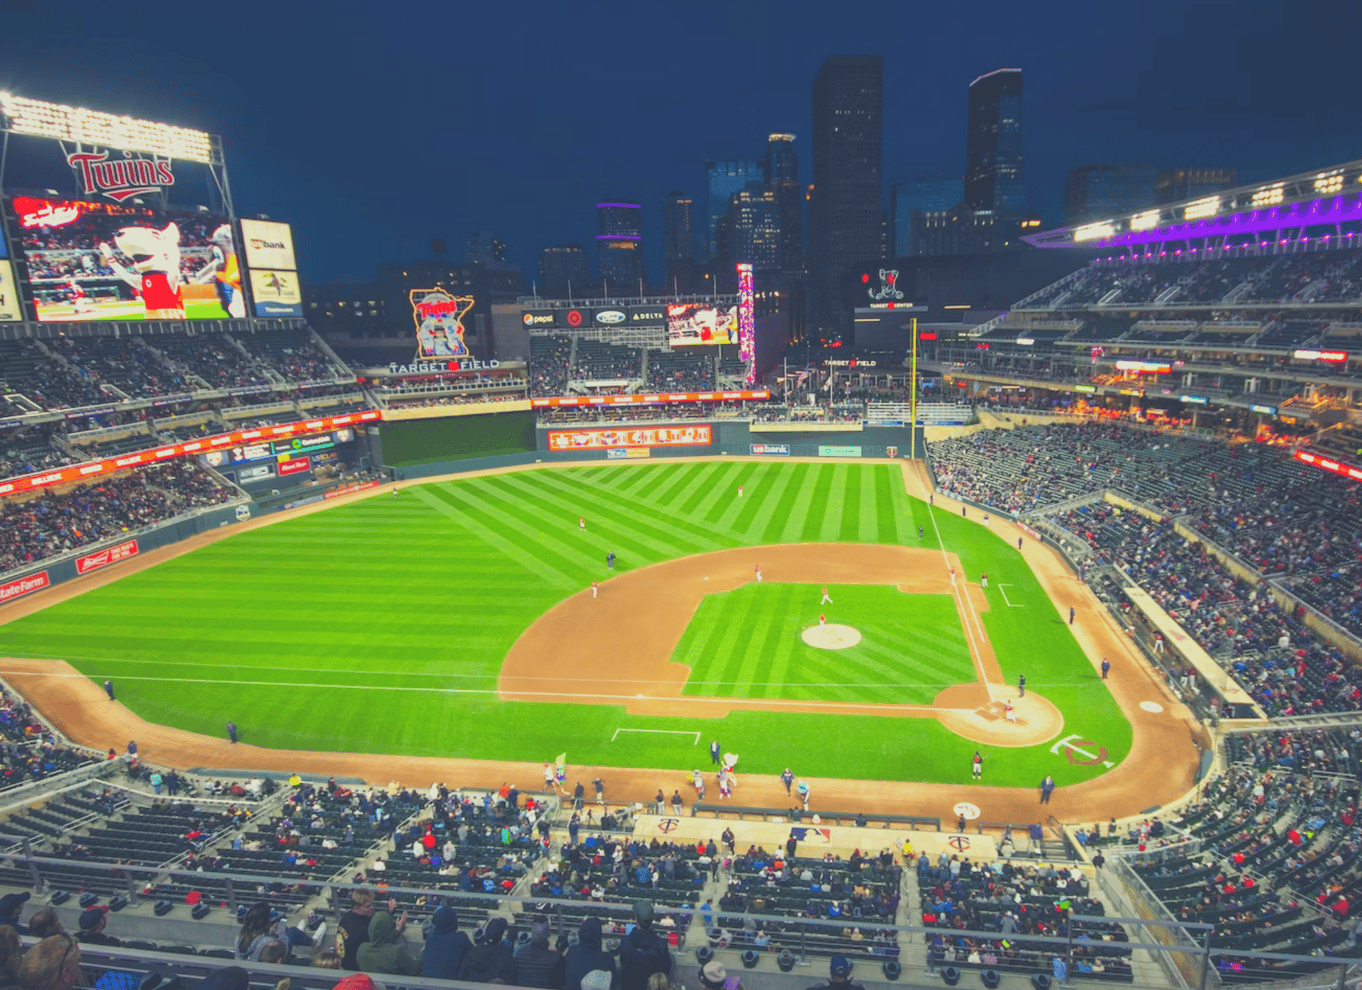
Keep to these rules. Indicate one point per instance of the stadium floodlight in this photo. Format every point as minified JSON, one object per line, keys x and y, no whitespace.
{"x":56,"y":120}
{"x":1092,"y":231}
{"x":1269,"y":196}
{"x":1145,"y":221}
{"x":1199,"y":208}
{"x":1329,"y":183}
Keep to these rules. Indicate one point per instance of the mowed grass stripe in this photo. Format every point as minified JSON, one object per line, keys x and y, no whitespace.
{"x":754,"y":665}
{"x":667,"y":496}
{"x":842,"y":501}
{"x":724,"y":494}
{"x":686,"y":538}
{"x":505,"y":535}
{"x":768,"y":503}
{"x":867,"y":526}
{"x":658,"y":477}
{"x":556,"y":510}
{"x":699,"y":485}
{"x":756,"y":489}
{"x":818,"y":494}
{"x":786,"y":525}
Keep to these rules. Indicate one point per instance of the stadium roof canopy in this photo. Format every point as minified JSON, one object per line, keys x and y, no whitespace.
{"x":1329,"y":196}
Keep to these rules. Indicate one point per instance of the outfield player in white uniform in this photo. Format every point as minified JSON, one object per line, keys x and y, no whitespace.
{"x":826,"y":600}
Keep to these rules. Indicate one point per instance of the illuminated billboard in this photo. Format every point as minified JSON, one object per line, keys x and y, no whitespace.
{"x":747,"y":321}
{"x":439,"y":322}
{"x":10,"y":310}
{"x":690,"y":324}
{"x":108,"y":261}
{"x":268,"y":245}
{"x":276,"y":293}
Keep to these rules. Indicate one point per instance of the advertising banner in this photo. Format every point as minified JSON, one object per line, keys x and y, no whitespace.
{"x":269,"y":245}
{"x":839,"y":451}
{"x":769,"y":449}
{"x":439,"y":322}
{"x":300,"y":445}
{"x":650,"y":398}
{"x":79,"y":472}
{"x":627,"y":453}
{"x":534,"y":318}
{"x":255,"y":472}
{"x":652,"y":315}
{"x":294,"y":465}
{"x":10,"y":310}
{"x":1030,"y":532}
{"x":108,"y":261}
{"x":656,"y":436}
{"x":276,"y":293}
{"x":358,"y":486}
{"x":109,"y":555}
{"x":23,"y":586}
{"x":689,"y":324}
{"x":252,"y":452}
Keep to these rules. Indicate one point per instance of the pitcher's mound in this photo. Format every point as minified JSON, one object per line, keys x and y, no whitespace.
{"x":832,"y":636}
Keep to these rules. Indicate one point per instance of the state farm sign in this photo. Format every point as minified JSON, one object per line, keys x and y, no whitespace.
{"x":23,"y":586}
{"x":109,"y":555}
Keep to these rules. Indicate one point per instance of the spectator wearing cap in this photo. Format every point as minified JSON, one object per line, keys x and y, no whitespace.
{"x":642,"y":951}
{"x":52,"y":964}
{"x":538,"y":965}
{"x":586,"y":956}
{"x":839,"y":976}
{"x":10,"y":907}
{"x":490,"y":960}
{"x":446,"y":946}
{"x":713,"y":976}
{"x":92,"y":924}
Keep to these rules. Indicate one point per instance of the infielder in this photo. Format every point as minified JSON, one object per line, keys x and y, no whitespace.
{"x":826,"y":600}
{"x":978,"y":765}
{"x":758,"y":574}
{"x":593,"y":589}
{"x":822,"y":619}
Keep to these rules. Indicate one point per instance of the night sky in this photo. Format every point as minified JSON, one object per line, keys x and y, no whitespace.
{"x":375,"y":127}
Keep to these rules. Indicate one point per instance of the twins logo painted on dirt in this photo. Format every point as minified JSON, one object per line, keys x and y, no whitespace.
{"x":119,"y":180}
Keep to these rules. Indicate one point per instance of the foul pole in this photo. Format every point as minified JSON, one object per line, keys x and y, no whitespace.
{"x":912,"y":397}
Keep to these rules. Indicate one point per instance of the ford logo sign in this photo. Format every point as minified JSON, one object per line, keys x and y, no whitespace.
{"x":610,"y":316}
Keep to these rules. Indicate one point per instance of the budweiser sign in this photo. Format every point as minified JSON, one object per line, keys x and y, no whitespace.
{"x":109,"y":555}
{"x":23,"y":586}
{"x":119,"y":178}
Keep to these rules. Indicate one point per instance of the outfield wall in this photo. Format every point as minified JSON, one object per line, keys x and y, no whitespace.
{"x":410,"y":445}
{"x":733,"y":438}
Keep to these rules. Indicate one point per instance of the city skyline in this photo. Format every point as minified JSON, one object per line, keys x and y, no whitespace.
{"x":369,"y":165}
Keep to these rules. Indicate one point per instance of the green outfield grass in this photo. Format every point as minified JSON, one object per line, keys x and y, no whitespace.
{"x":131,"y":309}
{"x":746,"y":644}
{"x":381,"y":625}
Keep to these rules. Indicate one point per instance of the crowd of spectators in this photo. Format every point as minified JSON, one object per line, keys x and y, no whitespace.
{"x":52,"y":522}
{"x":550,"y":365}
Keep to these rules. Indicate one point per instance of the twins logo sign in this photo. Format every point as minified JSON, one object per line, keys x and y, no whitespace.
{"x":439,"y":322}
{"x":119,"y":179}
{"x":889,"y":286}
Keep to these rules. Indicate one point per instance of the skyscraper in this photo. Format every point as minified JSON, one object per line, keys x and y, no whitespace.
{"x":722,"y":180}
{"x":993,"y":174}
{"x":620,"y":244}
{"x":845,"y":215}
{"x":782,"y":178}
{"x":922,"y":195}
{"x":754,"y":228}
{"x":563,"y":268}
{"x":678,"y":242}
{"x":1176,"y":184}
{"x":1100,"y":192}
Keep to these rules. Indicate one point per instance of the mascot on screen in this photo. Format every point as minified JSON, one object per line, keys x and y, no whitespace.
{"x":155,"y":272}
{"x":439,"y":322}
{"x":225,"y":273}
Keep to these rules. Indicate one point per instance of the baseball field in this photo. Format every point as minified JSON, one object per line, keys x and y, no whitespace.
{"x":456,"y":619}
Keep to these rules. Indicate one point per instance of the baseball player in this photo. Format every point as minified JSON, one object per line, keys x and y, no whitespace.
{"x":740,"y":491}
{"x":394,"y":491}
{"x":919,"y":532}
{"x":581,"y":524}
{"x":822,"y":619}
{"x":952,"y":577}
{"x":826,"y":600}
{"x":978,"y":765}
{"x":984,"y":578}
{"x":1009,"y":714}
{"x":593,"y":589}
{"x":985,"y":518}
{"x":758,"y":574}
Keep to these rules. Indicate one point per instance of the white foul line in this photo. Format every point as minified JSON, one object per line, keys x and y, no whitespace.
{"x":672,"y":732}
{"x":1004,"y":594}
{"x":961,"y":599}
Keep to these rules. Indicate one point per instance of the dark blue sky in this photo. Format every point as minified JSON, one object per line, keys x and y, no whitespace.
{"x":374,"y":127}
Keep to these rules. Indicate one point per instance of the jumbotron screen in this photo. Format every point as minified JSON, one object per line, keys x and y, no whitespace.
{"x":110,"y":261}
{"x":690,"y":324}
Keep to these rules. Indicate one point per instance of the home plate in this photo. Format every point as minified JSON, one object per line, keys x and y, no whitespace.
{"x":831,"y":636}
